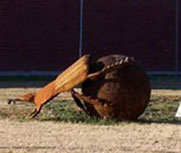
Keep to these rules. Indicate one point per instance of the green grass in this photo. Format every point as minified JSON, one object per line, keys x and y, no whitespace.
{"x":69,"y":112}
{"x":161,"y":109}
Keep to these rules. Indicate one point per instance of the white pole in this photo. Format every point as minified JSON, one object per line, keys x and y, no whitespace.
{"x":81,"y":27}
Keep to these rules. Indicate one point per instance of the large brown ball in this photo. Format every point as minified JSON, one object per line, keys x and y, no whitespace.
{"x":125,"y":91}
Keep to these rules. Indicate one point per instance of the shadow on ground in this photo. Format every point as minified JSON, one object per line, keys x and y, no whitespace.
{"x":157,"y":81}
{"x":95,"y":121}
{"x":143,"y":121}
{"x":24,"y":81}
{"x":22,"y":84}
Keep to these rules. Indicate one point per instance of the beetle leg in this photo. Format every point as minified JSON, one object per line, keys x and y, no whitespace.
{"x":87,"y":99}
{"x":35,"y":112}
{"x":27,"y":97}
{"x":13,"y":101}
{"x":79,"y":103}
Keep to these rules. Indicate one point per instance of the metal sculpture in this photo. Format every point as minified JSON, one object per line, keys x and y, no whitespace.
{"x":113,"y":86}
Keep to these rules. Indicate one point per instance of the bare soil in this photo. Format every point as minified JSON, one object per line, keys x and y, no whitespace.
{"x":59,"y":137}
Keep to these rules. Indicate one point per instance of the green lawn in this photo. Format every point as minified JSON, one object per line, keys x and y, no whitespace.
{"x":161,"y":109}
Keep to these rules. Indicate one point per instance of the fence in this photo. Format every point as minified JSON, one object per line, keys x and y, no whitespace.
{"x":47,"y":36}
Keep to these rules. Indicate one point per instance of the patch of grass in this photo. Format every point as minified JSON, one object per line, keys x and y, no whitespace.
{"x":69,"y":112}
{"x":3,"y":114}
{"x":161,"y":109}
{"x":18,"y":112}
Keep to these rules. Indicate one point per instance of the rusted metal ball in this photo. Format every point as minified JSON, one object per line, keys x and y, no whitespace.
{"x":125,"y":91}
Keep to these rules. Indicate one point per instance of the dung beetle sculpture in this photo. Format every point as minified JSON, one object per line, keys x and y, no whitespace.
{"x":112,"y":86}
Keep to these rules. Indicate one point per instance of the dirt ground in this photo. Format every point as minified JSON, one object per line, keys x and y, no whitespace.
{"x":58,"y":137}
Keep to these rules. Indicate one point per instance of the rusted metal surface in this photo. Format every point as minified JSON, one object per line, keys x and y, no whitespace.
{"x":72,"y":76}
{"x":122,"y":93}
{"x":113,"y":86}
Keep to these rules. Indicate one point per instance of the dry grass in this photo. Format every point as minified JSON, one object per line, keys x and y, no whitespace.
{"x":61,"y":127}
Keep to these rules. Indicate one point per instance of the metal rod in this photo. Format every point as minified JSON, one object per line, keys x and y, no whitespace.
{"x":176,"y":42}
{"x":176,"y":36}
{"x":81,"y":27}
